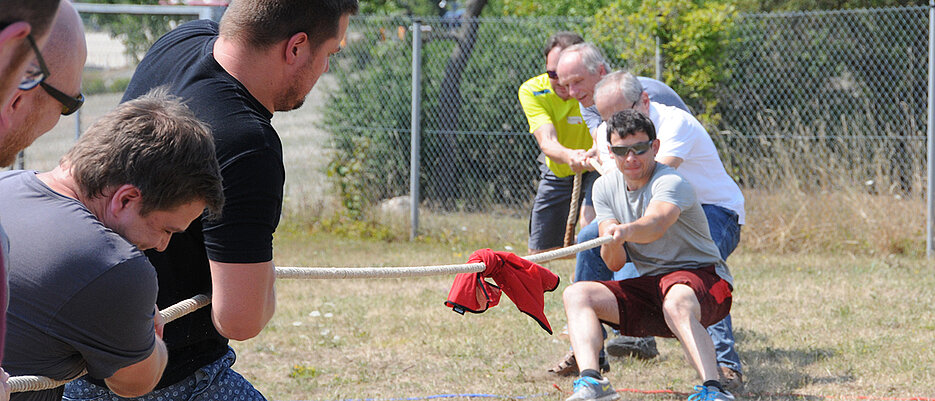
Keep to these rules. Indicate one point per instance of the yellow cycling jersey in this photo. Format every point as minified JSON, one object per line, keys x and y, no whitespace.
{"x":542,"y":106}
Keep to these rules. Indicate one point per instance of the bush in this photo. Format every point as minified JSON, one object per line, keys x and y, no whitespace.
{"x":489,"y":154}
{"x":695,"y":35}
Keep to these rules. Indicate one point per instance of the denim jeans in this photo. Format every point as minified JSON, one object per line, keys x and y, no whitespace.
{"x":725,"y":231}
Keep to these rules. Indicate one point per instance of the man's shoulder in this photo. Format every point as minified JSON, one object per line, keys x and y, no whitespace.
{"x":665,"y":175}
{"x":538,"y":85}
{"x":188,"y":30}
{"x":670,"y":120}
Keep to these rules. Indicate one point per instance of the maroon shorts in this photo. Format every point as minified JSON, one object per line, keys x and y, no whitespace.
{"x":640,"y":300}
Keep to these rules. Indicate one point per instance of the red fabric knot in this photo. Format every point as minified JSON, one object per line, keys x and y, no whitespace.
{"x":523,"y":281}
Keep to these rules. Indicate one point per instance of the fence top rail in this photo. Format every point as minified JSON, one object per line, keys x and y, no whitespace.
{"x":824,"y":13}
{"x":141,"y":9}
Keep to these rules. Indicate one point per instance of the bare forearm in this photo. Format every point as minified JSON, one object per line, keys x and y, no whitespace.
{"x":614,"y":255}
{"x":140,"y":378}
{"x":555,"y":151}
{"x":243,"y":298}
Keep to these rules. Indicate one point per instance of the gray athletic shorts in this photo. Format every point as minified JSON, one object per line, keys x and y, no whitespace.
{"x":550,"y":208}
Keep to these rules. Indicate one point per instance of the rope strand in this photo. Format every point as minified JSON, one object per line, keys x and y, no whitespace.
{"x":20,"y":384}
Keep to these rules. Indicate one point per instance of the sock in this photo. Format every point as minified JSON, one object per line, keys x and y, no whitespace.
{"x":714,"y":383}
{"x":591,"y":373}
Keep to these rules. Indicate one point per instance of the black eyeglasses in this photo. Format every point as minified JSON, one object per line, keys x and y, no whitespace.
{"x":637,"y":148}
{"x":33,"y":77}
{"x":69,"y":104}
{"x":552,"y":74}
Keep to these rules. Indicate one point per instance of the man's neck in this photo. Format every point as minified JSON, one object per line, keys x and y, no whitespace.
{"x":253,"y":68}
{"x":61,"y":181}
{"x":637,"y":184}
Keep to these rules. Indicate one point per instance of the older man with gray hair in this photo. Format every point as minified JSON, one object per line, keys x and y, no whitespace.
{"x":685,"y":145}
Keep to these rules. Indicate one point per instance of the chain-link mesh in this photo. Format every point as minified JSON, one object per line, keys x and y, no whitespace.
{"x":476,"y":151}
{"x":828,"y":99}
{"x":816,"y":100}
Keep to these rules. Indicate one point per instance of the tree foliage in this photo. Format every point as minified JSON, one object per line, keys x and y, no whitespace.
{"x":694,"y":34}
{"x":803,"y":5}
{"x":137,"y":32}
{"x":536,"y":8}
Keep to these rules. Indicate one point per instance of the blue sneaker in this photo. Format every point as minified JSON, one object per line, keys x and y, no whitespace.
{"x":710,"y":394}
{"x":591,"y":389}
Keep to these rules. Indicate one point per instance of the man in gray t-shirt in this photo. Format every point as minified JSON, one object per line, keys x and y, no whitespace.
{"x":83,"y":294}
{"x":656,"y":222}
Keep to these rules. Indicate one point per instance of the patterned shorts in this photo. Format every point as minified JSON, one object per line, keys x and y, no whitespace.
{"x":216,"y":381}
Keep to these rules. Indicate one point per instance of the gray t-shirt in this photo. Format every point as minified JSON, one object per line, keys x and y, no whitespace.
{"x":82,"y":296}
{"x":687,"y":244}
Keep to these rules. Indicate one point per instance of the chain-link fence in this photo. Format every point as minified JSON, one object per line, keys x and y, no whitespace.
{"x":828,"y":99}
{"x":476,"y":152}
{"x":815,"y":100}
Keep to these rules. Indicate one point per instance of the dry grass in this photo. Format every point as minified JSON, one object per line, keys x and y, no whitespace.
{"x":844,"y":222}
{"x":823,"y":325}
{"x":833,"y":299}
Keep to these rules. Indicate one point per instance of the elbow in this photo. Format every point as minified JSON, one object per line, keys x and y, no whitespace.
{"x":241,"y":326}
{"x":240,"y":331}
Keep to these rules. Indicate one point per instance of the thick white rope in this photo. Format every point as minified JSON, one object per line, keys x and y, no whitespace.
{"x":420,"y":271}
{"x":37,"y":383}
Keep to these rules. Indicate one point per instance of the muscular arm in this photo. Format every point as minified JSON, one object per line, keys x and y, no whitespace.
{"x":613,"y":253}
{"x":547,"y":137}
{"x":141,"y":377}
{"x":243,"y":298}
{"x":658,"y":218}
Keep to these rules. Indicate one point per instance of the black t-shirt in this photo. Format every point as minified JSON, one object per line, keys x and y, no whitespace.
{"x":250,"y":156}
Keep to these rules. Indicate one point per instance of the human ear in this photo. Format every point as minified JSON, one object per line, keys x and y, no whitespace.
{"x":15,"y":32}
{"x":126,"y":197}
{"x":294,"y":47}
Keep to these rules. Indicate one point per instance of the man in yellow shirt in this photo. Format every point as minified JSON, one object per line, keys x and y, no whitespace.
{"x":555,"y":120}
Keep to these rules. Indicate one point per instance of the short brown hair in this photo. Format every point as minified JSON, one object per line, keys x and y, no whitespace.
{"x":561,"y":39}
{"x":262,"y":23}
{"x":38,"y":13}
{"x":154,"y":143}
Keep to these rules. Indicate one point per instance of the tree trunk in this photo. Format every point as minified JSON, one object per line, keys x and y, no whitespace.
{"x":449,"y":111}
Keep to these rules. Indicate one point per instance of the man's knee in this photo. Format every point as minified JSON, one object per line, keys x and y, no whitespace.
{"x":680,"y":304}
{"x":579,"y":295}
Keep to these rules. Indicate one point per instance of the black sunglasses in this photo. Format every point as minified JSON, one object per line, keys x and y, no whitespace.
{"x":637,"y":148}
{"x":33,"y":77}
{"x":69,"y":104}
{"x":552,"y":74}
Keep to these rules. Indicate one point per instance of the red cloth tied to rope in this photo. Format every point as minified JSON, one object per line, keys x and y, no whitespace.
{"x":523,"y":281}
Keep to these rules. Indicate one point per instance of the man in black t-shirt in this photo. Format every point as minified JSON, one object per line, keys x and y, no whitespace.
{"x":264,"y":57}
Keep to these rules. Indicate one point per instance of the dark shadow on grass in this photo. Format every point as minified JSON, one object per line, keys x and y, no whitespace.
{"x":778,"y":372}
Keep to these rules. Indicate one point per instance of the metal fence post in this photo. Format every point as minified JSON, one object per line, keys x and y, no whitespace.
{"x":415,"y":128}
{"x":658,"y":51}
{"x":930,"y":193}
{"x":77,"y":125}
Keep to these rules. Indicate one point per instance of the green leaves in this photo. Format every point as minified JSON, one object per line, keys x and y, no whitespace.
{"x":695,"y":35}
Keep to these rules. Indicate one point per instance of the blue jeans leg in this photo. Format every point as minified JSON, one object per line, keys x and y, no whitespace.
{"x":588,"y":264}
{"x":725,"y":231}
